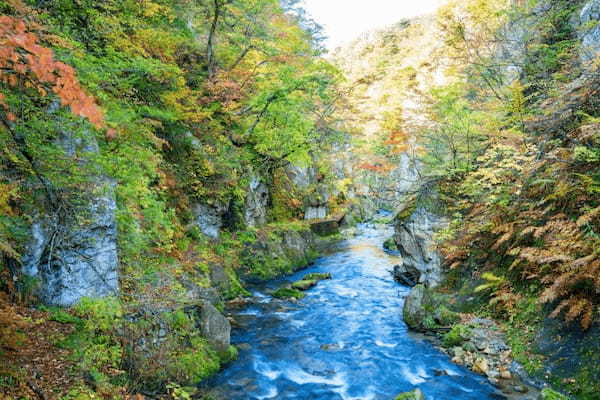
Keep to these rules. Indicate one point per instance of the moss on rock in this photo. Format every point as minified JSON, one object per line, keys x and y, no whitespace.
{"x":304,"y":284}
{"x":457,"y":335}
{"x":288,"y":293}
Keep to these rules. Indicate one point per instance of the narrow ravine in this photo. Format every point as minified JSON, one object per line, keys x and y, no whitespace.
{"x":344,"y":340}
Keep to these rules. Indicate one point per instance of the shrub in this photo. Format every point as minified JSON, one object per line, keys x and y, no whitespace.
{"x":457,"y":335}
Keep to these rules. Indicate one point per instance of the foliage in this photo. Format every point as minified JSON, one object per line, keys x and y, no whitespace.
{"x":456,"y":336}
{"x":519,"y":205}
{"x":25,"y":63}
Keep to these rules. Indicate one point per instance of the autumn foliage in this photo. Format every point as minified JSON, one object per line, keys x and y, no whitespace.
{"x":24,"y":63}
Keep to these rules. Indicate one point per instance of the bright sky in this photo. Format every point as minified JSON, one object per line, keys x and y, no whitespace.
{"x":345,"y":20}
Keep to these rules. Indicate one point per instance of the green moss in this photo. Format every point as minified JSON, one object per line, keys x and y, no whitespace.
{"x":287,"y":293}
{"x":429,"y":323}
{"x":549,"y":394}
{"x":521,"y":330}
{"x":236,"y":289}
{"x":61,"y":315}
{"x":304,"y":284}
{"x":446,"y":317}
{"x":230,"y":355}
{"x":408,"y":208}
{"x":317,"y":276}
{"x":390,"y":244}
{"x":412,"y":395}
{"x":195,"y":363}
{"x":457,"y":335}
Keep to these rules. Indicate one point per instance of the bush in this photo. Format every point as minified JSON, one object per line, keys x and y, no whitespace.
{"x":457,"y":335}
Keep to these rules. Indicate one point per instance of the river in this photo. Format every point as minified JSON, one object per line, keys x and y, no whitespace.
{"x":344,"y":340}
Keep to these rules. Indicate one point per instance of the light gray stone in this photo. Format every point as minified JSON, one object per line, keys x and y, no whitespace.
{"x":215,"y":327}
{"x":414,"y":238}
{"x":257,"y":199}
{"x":589,"y":28}
{"x":209,"y":218}
{"x":73,"y":250}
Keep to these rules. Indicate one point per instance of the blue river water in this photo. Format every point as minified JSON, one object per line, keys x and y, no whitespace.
{"x":344,"y":340}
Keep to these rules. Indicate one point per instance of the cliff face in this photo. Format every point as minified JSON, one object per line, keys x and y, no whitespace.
{"x":73,"y":250}
{"x":388,"y":72}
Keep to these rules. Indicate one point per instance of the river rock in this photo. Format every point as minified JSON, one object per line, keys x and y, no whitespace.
{"x":219,"y":278}
{"x":481,"y":366}
{"x":215,"y":327}
{"x":318,"y":212}
{"x":417,"y":306}
{"x":325,"y":227}
{"x":416,"y":394}
{"x":304,"y":284}
{"x":406,"y":274}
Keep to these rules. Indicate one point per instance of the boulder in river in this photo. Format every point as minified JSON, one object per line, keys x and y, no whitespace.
{"x":418,"y":306}
{"x":406,"y":274}
{"x":412,"y":395}
{"x":304,"y":284}
{"x":215,"y":327}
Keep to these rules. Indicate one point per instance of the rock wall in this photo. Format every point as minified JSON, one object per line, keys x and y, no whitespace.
{"x":281,"y":252}
{"x":257,"y":200}
{"x":209,"y":218}
{"x":413,"y":236}
{"x":73,"y":250}
{"x":589,"y":30}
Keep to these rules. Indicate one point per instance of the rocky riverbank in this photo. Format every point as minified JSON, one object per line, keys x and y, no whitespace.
{"x":477,"y":343}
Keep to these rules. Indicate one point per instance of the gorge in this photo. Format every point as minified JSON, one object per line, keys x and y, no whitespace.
{"x":198,"y":200}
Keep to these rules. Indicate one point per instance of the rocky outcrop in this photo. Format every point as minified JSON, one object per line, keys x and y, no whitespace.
{"x":406,"y":275}
{"x":214,"y":327}
{"x":567,"y":349}
{"x":414,"y":232}
{"x":589,"y":28}
{"x":209,"y":218}
{"x":257,"y":199}
{"x":479,"y":344}
{"x":329,"y":226}
{"x":278,"y":253}
{"x":73,"y":248}
{"x":183,"y":341}
{"x":316,"y":206}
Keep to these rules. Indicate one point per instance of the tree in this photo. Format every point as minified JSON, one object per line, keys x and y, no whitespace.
{"x":26,"y":64}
